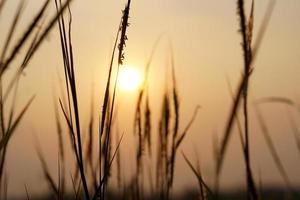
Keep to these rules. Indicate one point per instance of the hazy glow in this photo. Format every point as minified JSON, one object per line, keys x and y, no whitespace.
{"x":129,"y":78}
{"x":206,"y":45}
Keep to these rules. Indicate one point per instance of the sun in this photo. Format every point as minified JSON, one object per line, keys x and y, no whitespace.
{"x":129,"y":79}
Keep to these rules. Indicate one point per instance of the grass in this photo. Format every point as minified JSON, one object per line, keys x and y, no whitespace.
{"x":94,"y":171}
{"x":9,"y":126}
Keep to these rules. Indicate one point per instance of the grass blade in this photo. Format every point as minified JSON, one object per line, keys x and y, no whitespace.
{"x":178,"y":142}
{"x":46,"y":171}
{"x":24,"y":37}
{"x":198,"y":176}
{"x":12,"y":30}
{"x":271,"y":147}
{"x":2,"y":3}
{"x":14,"y":125}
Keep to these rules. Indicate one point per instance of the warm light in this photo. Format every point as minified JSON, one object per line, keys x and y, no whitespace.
{"x":129,"y":78}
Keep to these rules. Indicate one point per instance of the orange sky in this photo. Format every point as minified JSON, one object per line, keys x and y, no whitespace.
{"x":206,"y":45}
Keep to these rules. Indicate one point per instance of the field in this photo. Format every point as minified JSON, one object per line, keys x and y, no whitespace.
{"x":149,"y":100}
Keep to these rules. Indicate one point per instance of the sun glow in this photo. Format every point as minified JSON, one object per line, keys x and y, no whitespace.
{"x":129,"y":78}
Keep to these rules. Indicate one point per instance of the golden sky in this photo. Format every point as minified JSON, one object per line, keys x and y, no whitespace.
{"x":207,"y":49}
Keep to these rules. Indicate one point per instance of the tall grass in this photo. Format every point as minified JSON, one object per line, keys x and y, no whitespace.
{"x":269,"y":141}
{"x":204,"y":189}
{"x":170,"y":138}
{"x":71,"y":110}
{"x":249,"y":55}
{"x":93,"y":171}
{"x":9,"y":53}
{"x":246,"y":29}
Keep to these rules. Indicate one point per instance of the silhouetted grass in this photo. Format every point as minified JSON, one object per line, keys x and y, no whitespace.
{"x":249,"y":55}
{"x":93,"y":170}
{"x":205,"y":191}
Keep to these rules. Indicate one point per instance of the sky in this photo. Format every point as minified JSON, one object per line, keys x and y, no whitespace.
{"x":206,"y":45}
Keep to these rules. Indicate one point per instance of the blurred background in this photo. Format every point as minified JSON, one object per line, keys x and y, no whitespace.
{"x":206,"y":45}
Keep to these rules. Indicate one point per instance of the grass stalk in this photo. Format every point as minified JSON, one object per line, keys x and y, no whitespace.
{"x":66,"y":46}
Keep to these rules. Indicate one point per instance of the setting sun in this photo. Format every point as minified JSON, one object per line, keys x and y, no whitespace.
{"x":129,"y":78}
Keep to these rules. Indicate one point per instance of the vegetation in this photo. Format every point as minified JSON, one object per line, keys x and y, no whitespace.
{"x":91,"y":179}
